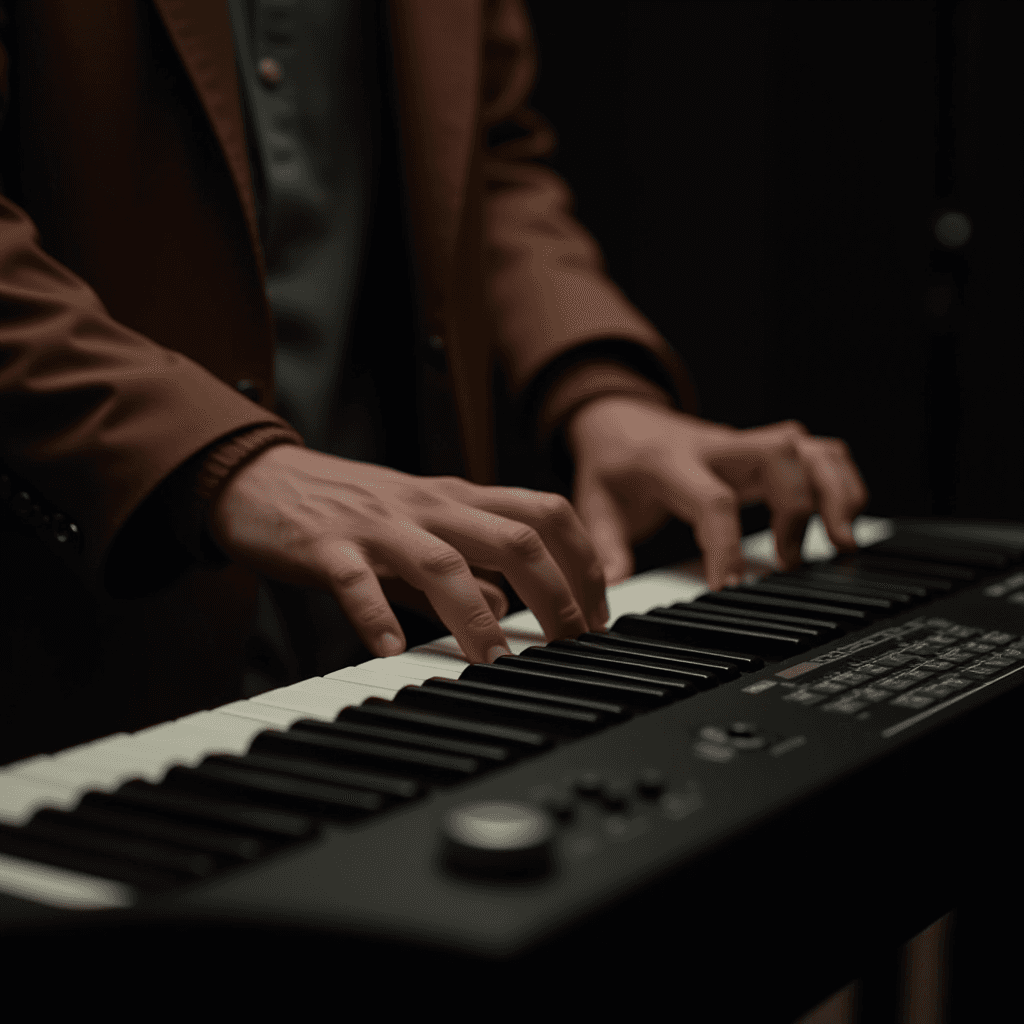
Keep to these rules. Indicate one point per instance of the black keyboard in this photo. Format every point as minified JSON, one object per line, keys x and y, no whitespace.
{"x":722,"y":774}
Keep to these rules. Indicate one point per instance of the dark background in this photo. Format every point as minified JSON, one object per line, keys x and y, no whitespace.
{"x":764,"y":179}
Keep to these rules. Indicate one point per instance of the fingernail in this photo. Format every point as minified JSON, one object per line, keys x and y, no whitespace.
{"x":390,"y":645}
{"x":732,"y":580}
{"x":496,"y":652}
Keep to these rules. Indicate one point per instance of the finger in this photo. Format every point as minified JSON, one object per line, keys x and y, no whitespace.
{"x":602,"y":519}
{"x":495,"y":598}
{"x":517,"y":550}
{"x":840,"y":491}
{"x":357,"y":590}
{"x":698,"y":497}
{"x":443,"y":574}
{"x":564,"y":536}
{"x":398,"y":591}
{"x":788,"y":494}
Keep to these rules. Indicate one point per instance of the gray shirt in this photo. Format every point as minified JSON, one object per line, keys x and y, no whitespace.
{"x":308,"y":81}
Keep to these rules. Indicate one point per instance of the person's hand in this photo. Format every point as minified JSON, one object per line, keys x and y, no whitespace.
{"x":314,"y":520}
{"x":638,"y":463}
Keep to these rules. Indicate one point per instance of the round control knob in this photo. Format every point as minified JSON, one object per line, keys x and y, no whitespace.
{"x":498,"y":837}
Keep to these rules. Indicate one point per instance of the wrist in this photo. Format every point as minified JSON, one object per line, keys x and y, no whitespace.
{"x":585,"y":421}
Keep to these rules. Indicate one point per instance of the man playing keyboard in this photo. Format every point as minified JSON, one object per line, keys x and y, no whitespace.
{"x":202,"y":364}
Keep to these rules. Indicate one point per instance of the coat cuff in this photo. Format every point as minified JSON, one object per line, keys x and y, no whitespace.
{"x":595,"y":370}
{"x":198,"y":483}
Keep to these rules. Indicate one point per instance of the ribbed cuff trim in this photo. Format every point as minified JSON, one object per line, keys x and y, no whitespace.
{"x":215,"y":466}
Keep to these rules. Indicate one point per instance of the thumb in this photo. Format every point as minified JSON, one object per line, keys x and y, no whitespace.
{"x":607,"y":527}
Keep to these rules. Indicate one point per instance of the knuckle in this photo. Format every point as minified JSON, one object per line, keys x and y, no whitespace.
{"x":835,"y":447}
{"x":445,"y":561}
{"x":554,"y":507}
{"x":719,"y":501}
{"x":346,"y":576}
{"x":569,"y":612}
{"x":480,"y":620}
{"x":375,"y":619}
{"x":593,"y":578}
{"x":524,"y":542}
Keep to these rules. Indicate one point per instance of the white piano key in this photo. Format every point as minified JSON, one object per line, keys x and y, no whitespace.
{"x":418,"y":666}
{"x":21,"y":796}
{"x":116,"y":768}
{"x":229,"y":729}
{"x":654,"y":589}
{"x":361,"y":675}
{"x":149,"y":754}
{"x":282,"y":718}
{"x":521,"y":630}
{"x":106,"y":770}
{"x":56,"y":887}
{"x":816,"y":547}
{"x":26,"y":763}
{"x":324,"y":698}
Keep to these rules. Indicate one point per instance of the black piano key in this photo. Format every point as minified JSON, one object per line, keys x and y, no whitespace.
{"x":554,"y":719}
{"x":973,"y":555}
{"x":264,"y":788}
{"x":710,"y":657}
{"x":829,"y":578}
{"x":488,"y":752}
{"x":377,"y":710}
{"x":754,"y":620}
{"x":741,"y":604}
{"x":193,"y":807}
{"x":749,"y":597}
{"x":333,"y":775}
{"x":233,"y":845}
{"x":501,"y":681}
{"x":795,"y":588}
{"x":555,"y":678}
{"x":922,"y":586}
{"x":772,"y":645}
{"x":419,"y":764}
{"x":844,"y":586}
{"x":16,"y":842}
{"x":653,"y":668}
{"x":57,"y":827}
{"x":507,"y":678}
{"x":878,"y":563}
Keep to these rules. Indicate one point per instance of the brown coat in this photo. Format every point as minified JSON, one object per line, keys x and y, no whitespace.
{"x":132,"y":300}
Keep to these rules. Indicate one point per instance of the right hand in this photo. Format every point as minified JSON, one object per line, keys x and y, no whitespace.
{"x":314,"y":520}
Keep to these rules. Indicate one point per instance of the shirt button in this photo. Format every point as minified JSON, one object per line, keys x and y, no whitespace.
{"x":270,"y":71}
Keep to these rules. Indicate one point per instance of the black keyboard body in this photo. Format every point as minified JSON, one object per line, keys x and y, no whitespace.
{"x":759,"y":873}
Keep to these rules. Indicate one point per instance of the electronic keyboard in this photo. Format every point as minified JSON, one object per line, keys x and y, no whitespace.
{"x":757,"y":783}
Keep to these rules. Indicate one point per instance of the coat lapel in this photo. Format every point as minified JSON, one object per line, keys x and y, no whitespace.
{"x":437,"y":63}
{"x":201,"y":33}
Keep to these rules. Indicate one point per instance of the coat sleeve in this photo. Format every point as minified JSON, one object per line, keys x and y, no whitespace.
{"x":93,"y":415}
{"x":558,"y":318}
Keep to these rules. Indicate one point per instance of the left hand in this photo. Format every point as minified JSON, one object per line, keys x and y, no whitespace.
{"x":638,"y":463}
